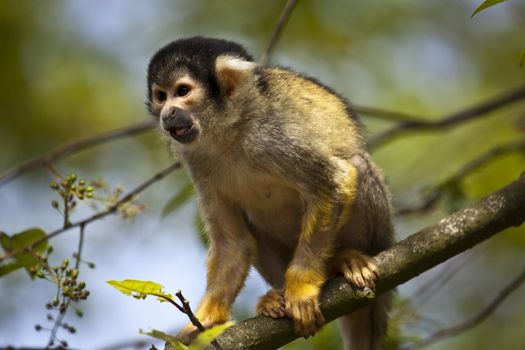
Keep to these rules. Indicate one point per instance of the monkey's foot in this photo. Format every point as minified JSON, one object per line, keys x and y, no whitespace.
{"x":305,"y":312}
{"x":187,"y":334}
{"x":272,"y":304}
{"x":208,"y":317}
{"x":357,"y":268}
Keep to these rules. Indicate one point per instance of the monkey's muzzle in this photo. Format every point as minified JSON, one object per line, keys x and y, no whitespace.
{"x":180,"y":125}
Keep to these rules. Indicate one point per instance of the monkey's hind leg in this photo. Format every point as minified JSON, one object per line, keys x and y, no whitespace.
{"x":272,"y":304}
{"x":357,"y":268}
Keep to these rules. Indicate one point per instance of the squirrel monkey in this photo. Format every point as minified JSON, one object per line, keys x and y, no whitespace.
{"x":283,"y":179}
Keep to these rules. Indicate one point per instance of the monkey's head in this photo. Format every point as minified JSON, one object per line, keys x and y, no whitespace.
{"x":194,"y":87}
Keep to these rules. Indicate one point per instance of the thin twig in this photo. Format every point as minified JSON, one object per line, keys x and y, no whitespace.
{"x":63,"y":311}
{"x":53,"y":171}
{"x":78,"y":255}
{"x":285,"y":15}
{"x":430,"y":200}
{"x":470,"y":167}
{"x":468,"y":114}
{"x":171,"y":301}
{"x":111,"y":210}
{"x":474,"y":321}
{"x":57,"y":324}
{"x":193,"y":319}
{"x":73,"y":147}
{"x":187,"y":310}
{"x":426,"y":291}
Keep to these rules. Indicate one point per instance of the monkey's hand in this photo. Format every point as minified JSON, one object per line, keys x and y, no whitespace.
{"x":358,"y":268}
{"x":301,"y":297}
{"x":303,"y":309}
{"x":272,"y":304}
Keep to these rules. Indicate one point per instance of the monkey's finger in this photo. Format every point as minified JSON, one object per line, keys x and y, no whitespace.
{"x":373,"y":267}
{"x":356,"y":277}
{"x":278,"y":312}
{"x":368,"y":276}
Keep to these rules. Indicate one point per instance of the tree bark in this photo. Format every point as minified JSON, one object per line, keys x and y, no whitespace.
{"x":398,"y":264}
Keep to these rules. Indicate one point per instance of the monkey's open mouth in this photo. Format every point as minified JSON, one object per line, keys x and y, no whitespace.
{"x":183,"y":132}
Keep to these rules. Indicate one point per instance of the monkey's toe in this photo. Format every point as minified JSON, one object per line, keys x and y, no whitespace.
{"x":358,"y":268}
{"x":305,"y":313}
{"x":272,"y":304}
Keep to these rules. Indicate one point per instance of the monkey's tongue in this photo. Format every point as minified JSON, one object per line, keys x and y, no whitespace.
{"x":181,"y":130}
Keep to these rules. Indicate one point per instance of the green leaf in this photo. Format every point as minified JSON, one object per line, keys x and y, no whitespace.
{"x":486,"y":4}
{"x":206,"y":337}
{"x":522,"y":58}
{"x":178,"y":199}
{"x":19,"y":241}
{"x":166,"y":337}
{"x":9,"y":267}
{"x":139,"y":289}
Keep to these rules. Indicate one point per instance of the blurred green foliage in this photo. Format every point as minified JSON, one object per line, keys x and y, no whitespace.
{"x":71,"y":69}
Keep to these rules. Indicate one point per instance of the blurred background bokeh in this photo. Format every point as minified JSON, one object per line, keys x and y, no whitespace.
{"x":70,"y":69}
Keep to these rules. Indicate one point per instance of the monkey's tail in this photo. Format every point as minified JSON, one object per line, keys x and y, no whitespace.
{"x":365,"y":328}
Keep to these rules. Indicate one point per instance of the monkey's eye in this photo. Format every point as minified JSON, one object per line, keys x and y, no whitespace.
{"x":182,"y":90}
{"x":160,"y":95}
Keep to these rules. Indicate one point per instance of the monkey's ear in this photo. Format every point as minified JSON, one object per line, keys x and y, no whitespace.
{"x":232,"y":72}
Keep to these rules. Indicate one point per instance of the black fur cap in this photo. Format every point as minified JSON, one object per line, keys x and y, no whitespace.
{"x":197,"y":56}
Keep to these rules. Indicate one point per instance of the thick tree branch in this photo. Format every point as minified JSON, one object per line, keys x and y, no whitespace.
{"x":74,"y":147}
{"x":454,"y":119}
{"x":400,"y":263}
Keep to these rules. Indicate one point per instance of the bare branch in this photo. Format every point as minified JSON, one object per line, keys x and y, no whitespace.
{"x":398,"y":264}
{"x":74,"y":147}
{"x":430,"y":200}
{"x":187,"y":310}
{"x":285,"y":15}
{"x":428,"y":290}
{"x":379,"y":113}
{"x":111,"y":210}
{"x":474,"y":321}
{"x":468,"y":114}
